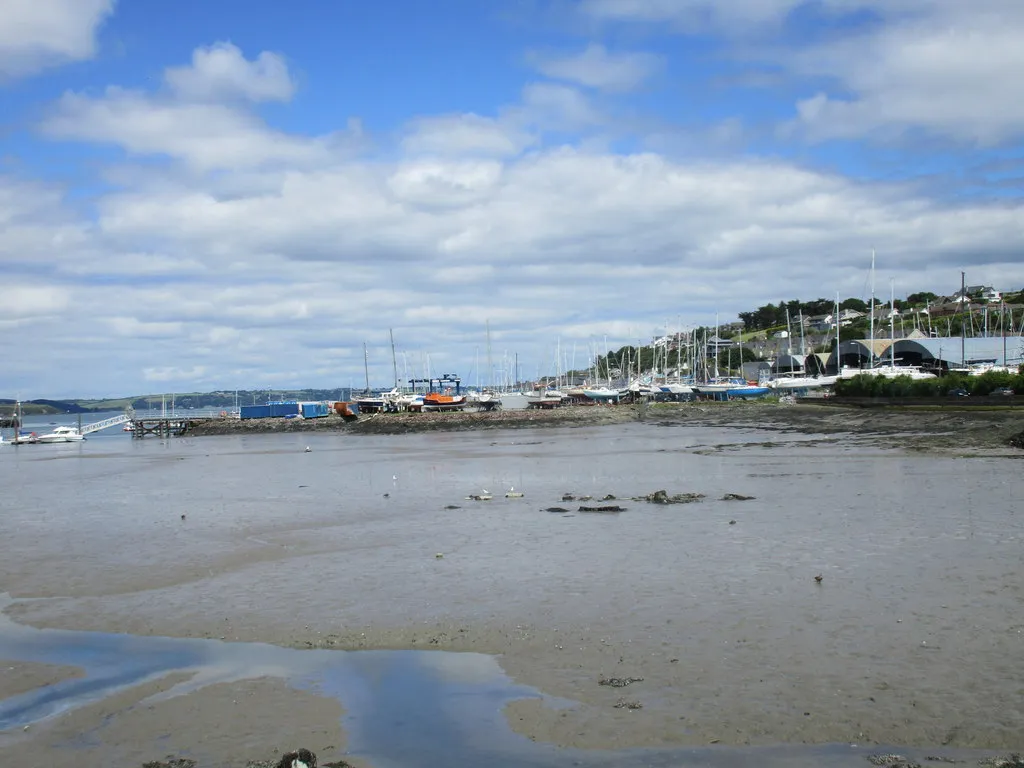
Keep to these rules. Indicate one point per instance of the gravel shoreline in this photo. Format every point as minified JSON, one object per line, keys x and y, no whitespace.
{"x":941,"y":428}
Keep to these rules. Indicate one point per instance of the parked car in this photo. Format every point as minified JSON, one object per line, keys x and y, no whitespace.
{"x":1005,"y":391}
{"x":959,"y":392}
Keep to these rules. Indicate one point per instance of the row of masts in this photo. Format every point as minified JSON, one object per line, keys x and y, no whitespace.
{"x":698,"y":365}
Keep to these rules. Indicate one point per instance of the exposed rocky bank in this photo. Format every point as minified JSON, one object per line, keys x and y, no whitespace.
{"x":942,"y":429}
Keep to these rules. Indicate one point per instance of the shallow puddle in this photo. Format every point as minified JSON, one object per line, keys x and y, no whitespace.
{"x":406,"y":708}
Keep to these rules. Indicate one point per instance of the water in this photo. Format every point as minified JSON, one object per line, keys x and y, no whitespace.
{"x":921,"y":559}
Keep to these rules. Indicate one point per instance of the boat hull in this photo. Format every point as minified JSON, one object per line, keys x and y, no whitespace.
{"x":433,"y":402}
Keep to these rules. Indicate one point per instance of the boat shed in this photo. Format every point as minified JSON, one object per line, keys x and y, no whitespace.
{"x":947,"y":352}
{"x":942,"y":352}
{"x":816,"y":364}
{"x":788,"y":363}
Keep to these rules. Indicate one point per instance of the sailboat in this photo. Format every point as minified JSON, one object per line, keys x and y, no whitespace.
{"x":486,"y":399}
{"x":892,"y":370}
{"x":796,"y":383}
{"x":368,"y":402}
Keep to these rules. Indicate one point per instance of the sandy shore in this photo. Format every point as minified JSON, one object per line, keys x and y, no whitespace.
{"x":732,"y":693}
{"x":220,"y":725}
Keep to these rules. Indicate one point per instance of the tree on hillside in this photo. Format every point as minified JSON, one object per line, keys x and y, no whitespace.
{"x":922,"y":297}
{"x":855,"y":304}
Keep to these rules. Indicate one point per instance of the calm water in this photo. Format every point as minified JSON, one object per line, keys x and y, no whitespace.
{"x":98,"y":526}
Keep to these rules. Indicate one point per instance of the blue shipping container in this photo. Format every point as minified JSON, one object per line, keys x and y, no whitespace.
{"x":313,"y":410}
{"x":283,"y":409}
{"x":255,"y":412}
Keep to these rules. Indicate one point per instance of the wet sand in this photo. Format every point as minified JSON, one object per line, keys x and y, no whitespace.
{"x":730,"y":677}
{"x":942,"y":429}
{"x":219,"y":725}
{"x":19,"y":676}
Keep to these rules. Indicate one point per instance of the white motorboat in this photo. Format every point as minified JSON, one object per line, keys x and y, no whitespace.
{"x":61,"y":435}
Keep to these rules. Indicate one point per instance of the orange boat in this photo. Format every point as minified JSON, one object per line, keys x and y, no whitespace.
{"x":343,"y":410}
{"x":437,"y":401}
{"x":442,"y":399}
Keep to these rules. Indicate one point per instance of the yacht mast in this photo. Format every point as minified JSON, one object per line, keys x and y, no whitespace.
{"x":871,"y":309}
{"x":394,"y":360}
{"x":892,"y":323}
{"x":1002,"y":327}
{"x":839,"y":367}
{"x":490,"y":365}
{"x":366,"y":367}
{"x":963,"y":326}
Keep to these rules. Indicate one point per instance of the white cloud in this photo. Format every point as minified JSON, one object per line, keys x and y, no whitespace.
{"x":134,"y":328}
{"x":167,"y":374}
{"x":555,"y":244}
{"x":199,"y":121}
{"x":222,"y":72}
{"x":555,"y":107}
{"x":467,"y":134}
{"x":695,"y":15}
{"x":206,"y":136}
{"x":595,"y":67}
{"x":947,"y":74}
{"x":939,"y":66}
{"x":431,"y":183}
{"x":24,"y":300}
{"x":283,"y":253}
{"x":37,"y":34}
{"x":35,"y":228}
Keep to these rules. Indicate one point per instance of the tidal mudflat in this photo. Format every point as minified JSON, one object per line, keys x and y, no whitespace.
{"x":912,"y":638}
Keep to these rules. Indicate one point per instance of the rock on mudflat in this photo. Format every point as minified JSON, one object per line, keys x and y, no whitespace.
{"x":662,"y":497}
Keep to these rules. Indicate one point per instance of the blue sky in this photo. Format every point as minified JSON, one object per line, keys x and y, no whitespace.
{"x":201,"y":195}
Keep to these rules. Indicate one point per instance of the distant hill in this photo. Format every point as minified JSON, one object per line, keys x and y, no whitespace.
{"x":219,"y":399}
{"x":222,"y":400}
{"x":33,"y":407}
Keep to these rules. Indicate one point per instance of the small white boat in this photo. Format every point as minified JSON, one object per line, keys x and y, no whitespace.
{"x":550,"y":398}
{"x":602,"y":395}
{"x":485,"y":400}
{"x":793,"y":383}
{"x":61,"y":435}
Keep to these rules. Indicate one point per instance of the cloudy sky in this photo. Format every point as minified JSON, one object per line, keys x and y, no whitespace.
{"x":199,"y":195}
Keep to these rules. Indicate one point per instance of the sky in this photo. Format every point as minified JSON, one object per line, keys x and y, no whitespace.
{"x":203,"y":195}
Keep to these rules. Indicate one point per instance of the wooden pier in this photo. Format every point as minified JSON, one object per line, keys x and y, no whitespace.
{"x":165,"y":426}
